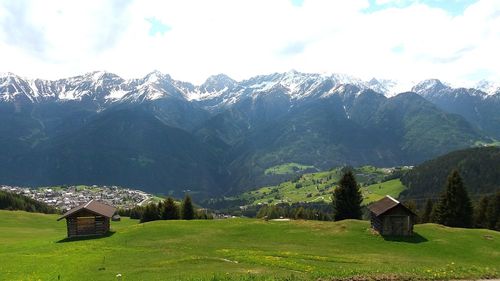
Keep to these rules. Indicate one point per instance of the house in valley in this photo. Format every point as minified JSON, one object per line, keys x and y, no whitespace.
{"x":390,"y":217}
{"x":91,"y":218}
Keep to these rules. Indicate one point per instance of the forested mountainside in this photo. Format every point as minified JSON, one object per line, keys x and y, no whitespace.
{"x":163,"y":135}
{"x":479,"y":168}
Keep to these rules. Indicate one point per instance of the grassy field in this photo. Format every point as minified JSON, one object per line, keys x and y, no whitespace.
{"x":319,"y":187}
{"x":490,"y":143}
{"x":31,"y":248}
{"x":375,"y":192}
{"x":288,"y":168}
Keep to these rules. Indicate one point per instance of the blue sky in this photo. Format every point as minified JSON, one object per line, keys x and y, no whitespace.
{"x":453,"y":7}
{"x":157,"y":27}
{"x":407,"y":40}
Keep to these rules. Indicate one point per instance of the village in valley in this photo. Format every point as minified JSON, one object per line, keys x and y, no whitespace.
{"x":67,"y":197}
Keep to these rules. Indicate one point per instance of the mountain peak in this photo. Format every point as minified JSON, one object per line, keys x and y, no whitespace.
{"x":490,"y":88}
{"x":217,"y":83}
{"x":7,"y":74}
{"x":98,"y":74}
{"x":426,"y":86}
{"x":156,"y":76}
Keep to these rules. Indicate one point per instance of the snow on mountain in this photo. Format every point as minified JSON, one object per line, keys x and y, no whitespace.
{"x":430,"y":86}
{"x":103,"y":88}
{"x":299,"y":85}
{"x":98,"y":86}
{"x":387,"y":87}
{"x":433,"y":88}
{"x":217,"y":83}
{"x":13,"y":88}
{"x":490,"y":88}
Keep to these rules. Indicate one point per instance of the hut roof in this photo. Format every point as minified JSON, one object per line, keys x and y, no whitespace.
{"x":385,"y":204}
{"x":92,"y":206}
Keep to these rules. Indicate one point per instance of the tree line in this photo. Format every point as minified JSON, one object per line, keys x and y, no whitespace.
{"x":455,"y":208}
{"x":479,"y":168}
{"x":12,"y":201}
{"x":166,"y":210}
{"x":322,"y":212}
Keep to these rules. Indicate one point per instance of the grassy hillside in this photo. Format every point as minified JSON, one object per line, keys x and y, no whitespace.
{"x":288,"y":168}
{"x":239,"y":249}
{"x":318,"y":187}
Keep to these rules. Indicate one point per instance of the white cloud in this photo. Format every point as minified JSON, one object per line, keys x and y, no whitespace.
{"x":249,"y":37}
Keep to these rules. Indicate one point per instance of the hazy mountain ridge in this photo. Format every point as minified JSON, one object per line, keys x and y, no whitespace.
{"x":479,"y":108}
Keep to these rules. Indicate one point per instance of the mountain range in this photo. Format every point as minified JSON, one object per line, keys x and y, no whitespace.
{"x":167,"y":136}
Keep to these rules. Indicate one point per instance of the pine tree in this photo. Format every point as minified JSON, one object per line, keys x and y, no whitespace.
{"x":454,"y":208}
{"x":151,"y":213}
{"x":347,"y":198}
{"x":274,"y":212}
{"x":262,"y":212}
{"x":480,"y":219}
{"x":300,"y":214}
{"x":170,"y":210}
{"x":493,"y":212}
{"x":410,"y":204}
{"x":426,"y":215}
{"x":187,"y":208}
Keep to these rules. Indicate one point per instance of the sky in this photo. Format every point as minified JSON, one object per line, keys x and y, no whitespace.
{"x":457,"y":41}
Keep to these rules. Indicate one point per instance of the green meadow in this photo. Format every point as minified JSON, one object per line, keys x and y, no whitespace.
{"x":32,"y":247}
{"x":288,"y":168}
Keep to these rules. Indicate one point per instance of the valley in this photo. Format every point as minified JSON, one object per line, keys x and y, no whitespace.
{"x":289,"y":140}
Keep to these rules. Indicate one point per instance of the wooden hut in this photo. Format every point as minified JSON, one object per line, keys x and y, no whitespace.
{"x":390,"y":217}
{"x":88,"y":219}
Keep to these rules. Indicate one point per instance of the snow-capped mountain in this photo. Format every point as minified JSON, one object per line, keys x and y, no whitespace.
{"x":434,"y":88}
{"x":491,"y":88}
{"x":480,"y":106}
{"x":159,"y":132}
{"x":218,"y":91}
{"x":431,"y":87}
{"x":99,"y":87}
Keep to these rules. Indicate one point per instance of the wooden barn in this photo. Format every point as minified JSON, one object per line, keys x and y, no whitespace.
{"x":88,"y":219}
{"x":390,"y":217}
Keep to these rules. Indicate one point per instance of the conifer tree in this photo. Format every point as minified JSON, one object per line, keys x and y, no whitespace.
{"x":151,"y":213}
{"x":410,"y":204}
{"x":187,"y":208}
{"x":480,"y":219}
{"x":273,"y":212}
{"x":170,"y":210}
{"x":347,"y":198}
{"x":300,"y":214}
{"x":426,"y":215}
{"x":493,"y":212}
{"x":454,"y":208}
